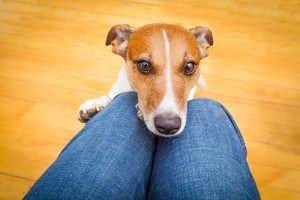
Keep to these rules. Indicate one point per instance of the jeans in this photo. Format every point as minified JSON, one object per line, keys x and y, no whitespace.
{"x":115,"y":157}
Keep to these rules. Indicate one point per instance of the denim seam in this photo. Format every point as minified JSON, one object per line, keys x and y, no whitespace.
{"x":237,"y":130}
{"x":153,"y":160}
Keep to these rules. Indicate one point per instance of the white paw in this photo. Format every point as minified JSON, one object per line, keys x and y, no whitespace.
{"x":91,"y":107}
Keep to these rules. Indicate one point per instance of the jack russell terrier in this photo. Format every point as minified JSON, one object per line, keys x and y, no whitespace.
{"x":162,"y":66}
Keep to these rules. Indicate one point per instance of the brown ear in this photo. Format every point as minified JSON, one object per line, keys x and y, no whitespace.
{"x":204,"y":38}
{"x":118,"y":37}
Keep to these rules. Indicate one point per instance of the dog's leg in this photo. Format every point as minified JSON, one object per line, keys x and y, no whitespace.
{"x":201,"y":84}
{"x":192,"y":93}
{"x":91,"y":107}
{"x":121,"y":85}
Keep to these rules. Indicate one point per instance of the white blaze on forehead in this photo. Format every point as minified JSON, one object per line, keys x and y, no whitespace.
{"x":168,"y":103}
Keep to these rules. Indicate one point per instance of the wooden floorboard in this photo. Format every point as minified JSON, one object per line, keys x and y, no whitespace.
{"x":53,"y":57}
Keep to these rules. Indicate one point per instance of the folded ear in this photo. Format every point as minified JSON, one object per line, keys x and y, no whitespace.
{"x":118,"y":37}
{"x":204,"y":38}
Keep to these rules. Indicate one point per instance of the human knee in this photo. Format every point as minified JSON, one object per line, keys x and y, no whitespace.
{"x":203,"y":103}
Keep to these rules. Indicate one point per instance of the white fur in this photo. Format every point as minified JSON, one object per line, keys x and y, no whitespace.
{"x":168,"y":104}
{"x":121,"y":85}
{"x":192,"y":93}
{"x":97,"y":104}
{"x":201,"y":83}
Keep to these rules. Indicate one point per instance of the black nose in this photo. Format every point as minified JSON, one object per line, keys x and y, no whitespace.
{"x":167,"y":124}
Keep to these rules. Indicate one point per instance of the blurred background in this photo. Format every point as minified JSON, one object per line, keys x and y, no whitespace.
{"x":53,"y":58}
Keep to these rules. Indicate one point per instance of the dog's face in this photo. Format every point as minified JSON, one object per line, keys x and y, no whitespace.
{"x":162,"y":64}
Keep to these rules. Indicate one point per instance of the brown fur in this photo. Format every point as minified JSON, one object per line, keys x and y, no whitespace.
{"x":148,"y":43}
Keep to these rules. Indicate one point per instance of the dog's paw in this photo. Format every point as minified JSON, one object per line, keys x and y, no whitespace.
{"x":91,"y":107}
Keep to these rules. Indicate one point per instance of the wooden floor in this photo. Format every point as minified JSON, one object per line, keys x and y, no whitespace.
{"x":53,"y":57}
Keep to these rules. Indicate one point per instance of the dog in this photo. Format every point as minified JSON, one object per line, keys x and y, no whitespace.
{"x":161,"y":64}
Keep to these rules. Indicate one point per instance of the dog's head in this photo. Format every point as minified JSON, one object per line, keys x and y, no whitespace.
{"x":162,"y":65}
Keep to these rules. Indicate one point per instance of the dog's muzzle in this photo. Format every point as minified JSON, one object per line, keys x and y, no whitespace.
{"x":167,"y":124}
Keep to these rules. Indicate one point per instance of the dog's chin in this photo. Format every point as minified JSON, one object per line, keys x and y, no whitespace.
{"x":149,"y":121}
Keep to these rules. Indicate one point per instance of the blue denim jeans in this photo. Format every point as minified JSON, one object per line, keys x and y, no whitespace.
{"x":115,"y":157}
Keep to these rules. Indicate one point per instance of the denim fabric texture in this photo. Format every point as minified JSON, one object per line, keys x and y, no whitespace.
{"x":115,"y":157}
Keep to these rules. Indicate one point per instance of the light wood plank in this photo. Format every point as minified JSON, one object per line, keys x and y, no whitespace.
{"x":32,"y":153}
{"x":53,"y":57}
{"x":269,"y":193}
{"x":276,"y":178}
{"x":273,"y":156}
{"x":13,"y":187}
{"x":32,"y":112}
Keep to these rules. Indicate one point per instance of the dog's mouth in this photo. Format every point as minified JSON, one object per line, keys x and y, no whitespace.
{"x":165,"y":125}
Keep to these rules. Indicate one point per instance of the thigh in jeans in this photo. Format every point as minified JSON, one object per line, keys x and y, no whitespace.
{"x":111,"y":158}
{"x":208,"y":161}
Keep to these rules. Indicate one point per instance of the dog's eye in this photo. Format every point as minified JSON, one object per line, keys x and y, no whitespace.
{"x":144,"y":67}
{"x":189,"y":68}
